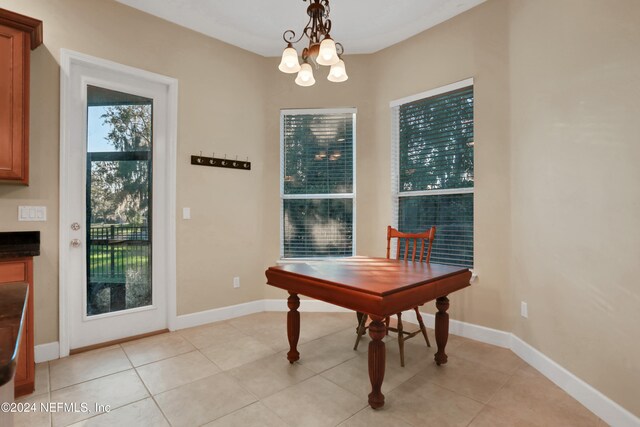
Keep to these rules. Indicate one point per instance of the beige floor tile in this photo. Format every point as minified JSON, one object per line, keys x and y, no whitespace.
{"x":422,"y":403}
{"x":87,"y":366}
{"x":254,"y":415}
{"x":374,"y":417}
{"x":142,"y":413}
{"x":492,"y":417}
{"x":491,"y":356}
{"x":41,"y":379}
{"x":466,"y":378}
{"x":353,"y":375}
{"x":315,"y":402}
{"x":530,"y":396}
{"x":176,"y":371}
{"x":115,"y":390}
{"x":36,"y":416}
{"x":204,"y":400}
{"x":210,"y":334}
{"x":237,"y":351}
{"x":326,"y":352}
{"x":270,"y":375}
{"x":156,"y":348}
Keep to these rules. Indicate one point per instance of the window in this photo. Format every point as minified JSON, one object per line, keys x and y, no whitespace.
{"x":433,"y":169}
{"x":317,"y":183}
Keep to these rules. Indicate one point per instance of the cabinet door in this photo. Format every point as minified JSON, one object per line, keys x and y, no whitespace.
{"x":14,"y":99}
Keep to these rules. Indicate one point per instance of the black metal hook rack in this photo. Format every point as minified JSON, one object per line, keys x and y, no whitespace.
{"x":217,"y":162}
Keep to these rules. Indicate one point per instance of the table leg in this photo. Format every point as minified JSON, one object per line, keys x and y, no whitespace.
{"x":377,"y":331}
{"x":293,"y":327}
{"x":442,"y":329}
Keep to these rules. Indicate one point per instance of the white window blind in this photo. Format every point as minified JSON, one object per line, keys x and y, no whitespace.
{"x":433,"y":169}
{"x":317,"y":183}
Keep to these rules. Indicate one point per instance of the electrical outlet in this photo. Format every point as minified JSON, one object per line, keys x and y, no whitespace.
{"x":524,"y":310}
{"x":236,"y":282}
{"x":186,"y":213}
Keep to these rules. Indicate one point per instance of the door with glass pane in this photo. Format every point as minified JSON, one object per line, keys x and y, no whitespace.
{"x":117,"y":125}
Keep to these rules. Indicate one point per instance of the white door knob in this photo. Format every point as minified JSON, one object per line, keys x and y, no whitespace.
{"x":75,"y":243}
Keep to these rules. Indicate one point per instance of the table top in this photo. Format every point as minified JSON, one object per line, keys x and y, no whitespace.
{"x":372,"y":285}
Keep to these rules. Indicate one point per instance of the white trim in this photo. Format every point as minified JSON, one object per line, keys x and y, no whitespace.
{"x":310,"y":111}
{"x":436,"y":192}
{"x":319,"y":196}
{"x":169,"y":229}
{"x":217,"y":314}
{"x":605,"y":408}
{"x":432,"y":92}
{"x":47,"y":352}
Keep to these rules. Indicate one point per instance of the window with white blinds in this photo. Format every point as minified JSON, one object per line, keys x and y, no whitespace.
{"x":433,"y":169}
{"x":317,"y":183}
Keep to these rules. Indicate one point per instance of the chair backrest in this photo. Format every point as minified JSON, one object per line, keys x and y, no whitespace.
{"x":408,"y":238}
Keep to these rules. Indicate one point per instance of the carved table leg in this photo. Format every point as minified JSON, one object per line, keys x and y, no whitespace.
{"x":442,"y":329}
{"x":293,"y":327}
{"x":377,"y":331}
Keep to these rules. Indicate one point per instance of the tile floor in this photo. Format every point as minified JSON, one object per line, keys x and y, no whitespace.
{"x":235,"y":373}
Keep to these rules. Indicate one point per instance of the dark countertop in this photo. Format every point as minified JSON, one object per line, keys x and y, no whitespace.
{"x":13,"y":306}
{"x":18,"y":244}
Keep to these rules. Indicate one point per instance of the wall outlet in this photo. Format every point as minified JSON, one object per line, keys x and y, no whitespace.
{"x":524,"y":311}
{"x":186,"y":213}
{"x":32,"y":213}
{"x":236,"y":282}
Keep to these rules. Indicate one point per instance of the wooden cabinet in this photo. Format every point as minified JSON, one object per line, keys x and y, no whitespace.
{"x":21,"y":270}
{"x":18,"y":34}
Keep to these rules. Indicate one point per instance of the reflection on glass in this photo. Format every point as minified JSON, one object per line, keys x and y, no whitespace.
{"x":119,"y":182}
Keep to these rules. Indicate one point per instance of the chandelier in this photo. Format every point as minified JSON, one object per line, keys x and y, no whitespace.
{"x":322,"y":50}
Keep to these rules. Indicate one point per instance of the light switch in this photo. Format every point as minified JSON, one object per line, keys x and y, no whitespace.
{"x":186,"y":213}
{"x":32,"y":213}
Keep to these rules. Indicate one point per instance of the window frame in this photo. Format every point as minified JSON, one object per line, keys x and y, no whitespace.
{"x":283,"y":196}
{"x":396,"y":193}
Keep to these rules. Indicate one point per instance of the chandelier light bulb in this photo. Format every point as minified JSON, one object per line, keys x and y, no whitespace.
{"x":305,"y":76}
{"x":327,"y":54}
{"x":289,"y":63}
{"x":338,"y":72}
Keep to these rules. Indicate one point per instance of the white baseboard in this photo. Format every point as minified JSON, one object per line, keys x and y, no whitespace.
{"x":218,"y":314}
{"x":605,"y":408}
{"x":46,"y":352}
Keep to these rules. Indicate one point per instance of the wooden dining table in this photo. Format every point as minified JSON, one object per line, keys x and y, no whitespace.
{"x":378,"y":287}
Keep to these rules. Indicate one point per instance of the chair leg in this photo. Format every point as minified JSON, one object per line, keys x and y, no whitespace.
{"x":422,"y":327}
{"x":361,"y":329}
{"x":400,"y":339}
{"x":387,"y":320}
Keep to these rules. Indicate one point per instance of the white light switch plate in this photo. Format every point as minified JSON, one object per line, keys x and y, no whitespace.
{"x":32,"y":213}
{"x":186,"y":213}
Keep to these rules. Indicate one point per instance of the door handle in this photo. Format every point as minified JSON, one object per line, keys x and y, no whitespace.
{"x":75,"y":226}
{"x":76,"y":243}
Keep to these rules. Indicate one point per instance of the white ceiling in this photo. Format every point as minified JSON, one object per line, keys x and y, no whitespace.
{"x":362,"y":26}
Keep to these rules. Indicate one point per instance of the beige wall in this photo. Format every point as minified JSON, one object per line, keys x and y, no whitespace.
{"x":556,"y":198}
{"x":221,"y":89}
{"x":575,"y":176}
{"x":474,"y":44}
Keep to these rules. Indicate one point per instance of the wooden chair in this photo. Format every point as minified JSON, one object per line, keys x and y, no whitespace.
{"x":410,"y":240}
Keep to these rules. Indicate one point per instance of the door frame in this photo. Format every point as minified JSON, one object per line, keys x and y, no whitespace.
{"x":169,"y":155}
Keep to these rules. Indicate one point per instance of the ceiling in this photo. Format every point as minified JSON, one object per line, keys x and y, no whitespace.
{"x":362,"y":26}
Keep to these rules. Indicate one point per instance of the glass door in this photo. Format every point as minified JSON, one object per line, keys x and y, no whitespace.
{"x":119,"y":201}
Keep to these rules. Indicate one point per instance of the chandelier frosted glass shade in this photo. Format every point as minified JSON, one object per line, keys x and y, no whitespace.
{"x":320,"y":50}
{"x":289,"y":63}
{"x":305,"y":76}
{"x":338,"y":72}
{"x":327,"y":54}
